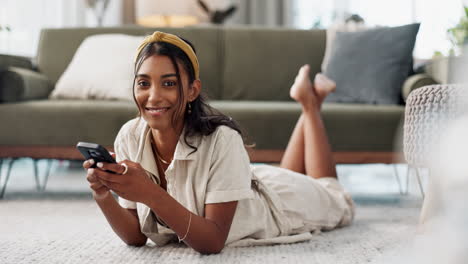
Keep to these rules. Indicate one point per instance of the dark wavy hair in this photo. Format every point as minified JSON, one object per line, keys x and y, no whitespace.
{"x":203,"y":119}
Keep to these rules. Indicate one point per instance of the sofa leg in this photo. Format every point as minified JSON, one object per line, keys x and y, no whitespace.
{"x":418,"y":177}
{"x":36,"y":175}
{"x":395,"y":171}
{"x":41,"y":186}
{"x":7,"y":177}
{"x":1,"y":164}
{"x":408,"y":172}
{"x":421,"y":188}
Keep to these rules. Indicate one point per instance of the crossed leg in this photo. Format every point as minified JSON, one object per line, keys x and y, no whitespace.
{"x":308,"y":150}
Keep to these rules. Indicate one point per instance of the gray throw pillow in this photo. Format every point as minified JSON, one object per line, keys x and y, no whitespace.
{"x":371,"y":66}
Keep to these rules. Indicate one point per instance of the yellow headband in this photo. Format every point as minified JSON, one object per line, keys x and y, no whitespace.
{"x":174,"y":40}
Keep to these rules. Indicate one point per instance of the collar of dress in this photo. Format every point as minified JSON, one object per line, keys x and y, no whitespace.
{"x":146,"y":157}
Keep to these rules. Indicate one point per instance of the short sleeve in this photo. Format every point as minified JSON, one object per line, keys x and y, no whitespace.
{"x":121,"y":153}
{"x":230,"y":175}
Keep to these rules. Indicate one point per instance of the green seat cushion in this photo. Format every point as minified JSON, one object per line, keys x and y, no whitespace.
{"x":350,"y":127}
{"x":363,"y":127}
{"x":63,"y":122}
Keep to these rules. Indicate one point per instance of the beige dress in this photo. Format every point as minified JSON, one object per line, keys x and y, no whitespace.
{"x":274,"y":205}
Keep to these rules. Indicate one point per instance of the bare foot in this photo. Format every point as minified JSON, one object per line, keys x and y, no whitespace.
{"x":323,"y":86}
{"x":302,"y":89}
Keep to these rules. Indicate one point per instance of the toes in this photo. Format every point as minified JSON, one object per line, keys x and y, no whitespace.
{"x":303,"y":74}
{"x":304,"y":70}
{"x":324,"y":84}
{"x":323,"y":78}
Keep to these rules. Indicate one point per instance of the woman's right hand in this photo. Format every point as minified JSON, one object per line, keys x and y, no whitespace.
{"x":99,"y":190}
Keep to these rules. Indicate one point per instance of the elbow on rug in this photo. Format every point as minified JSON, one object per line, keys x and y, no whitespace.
{"x":136,"y":243}
{"x":213,"y":248}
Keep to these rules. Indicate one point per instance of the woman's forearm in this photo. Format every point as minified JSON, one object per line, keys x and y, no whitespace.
{"x":123,"y":222}
{"x":203,"y":235}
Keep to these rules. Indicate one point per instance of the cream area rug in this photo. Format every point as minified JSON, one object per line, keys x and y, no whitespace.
{"x":73,"y":230}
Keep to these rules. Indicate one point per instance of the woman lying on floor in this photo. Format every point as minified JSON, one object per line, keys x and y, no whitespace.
{"x":183,"y":171}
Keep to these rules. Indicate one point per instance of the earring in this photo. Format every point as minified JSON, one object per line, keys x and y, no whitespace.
{"x":189,"y":111}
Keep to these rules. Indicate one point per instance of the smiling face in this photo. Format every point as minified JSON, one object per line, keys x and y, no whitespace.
{"x":157,"y":93}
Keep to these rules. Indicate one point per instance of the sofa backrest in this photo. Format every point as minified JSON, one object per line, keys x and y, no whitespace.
{"x":261,"y":64}
{"x":57,"y":47}
{"x":236,"y":63}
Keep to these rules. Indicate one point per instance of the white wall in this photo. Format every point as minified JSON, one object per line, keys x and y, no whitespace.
{"x":270,"y":13}
{"x":436,"y":17}
{"x":27,"y":17}
{"x":179,"y":7}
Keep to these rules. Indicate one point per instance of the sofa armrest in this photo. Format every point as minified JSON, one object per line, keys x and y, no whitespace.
{"x":18,"y":84}
{"x":414,"y":82}
{"x":15,"y":61}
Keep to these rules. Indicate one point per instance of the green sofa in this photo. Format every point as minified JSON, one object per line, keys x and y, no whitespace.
{"x":247,"y":73}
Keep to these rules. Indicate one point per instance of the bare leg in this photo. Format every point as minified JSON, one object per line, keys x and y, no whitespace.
{"x":293,"y":158}
{"x":308,"y":150}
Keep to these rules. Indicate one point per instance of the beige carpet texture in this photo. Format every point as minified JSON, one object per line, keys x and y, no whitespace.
{"x":55,"y":230}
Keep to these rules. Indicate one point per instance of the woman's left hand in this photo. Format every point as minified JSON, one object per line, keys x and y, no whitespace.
{"x":134,"y":185}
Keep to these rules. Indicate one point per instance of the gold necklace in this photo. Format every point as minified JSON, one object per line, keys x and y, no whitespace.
{"x":161,"y":159}
{"x":157,"y":153}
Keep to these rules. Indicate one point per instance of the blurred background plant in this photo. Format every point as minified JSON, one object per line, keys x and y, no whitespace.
{"x":5,"y":28}
{"x":217,"y":16}
{"x":99,"y":8}
{"x":458,"y":34}
{"x":5,"y":31}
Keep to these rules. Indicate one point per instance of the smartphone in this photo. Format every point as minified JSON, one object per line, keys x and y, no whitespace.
{"x":96,"y":152}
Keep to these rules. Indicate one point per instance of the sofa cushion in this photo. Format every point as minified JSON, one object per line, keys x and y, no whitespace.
{"x":15,"y":61}
{"x":414,"y":82}
{"x":18,"y":84}
{"x":331,"y":34}
{"x":57,"y":47}
{"x":371,"y":66}
{"x":350,"y":127}
{"x":63,"y":122}
{"x":102,"y":68}
{"x":267,"y":124}
{"x":260,"y":64}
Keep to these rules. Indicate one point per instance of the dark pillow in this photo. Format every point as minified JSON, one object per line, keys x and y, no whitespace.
{"x":371,"y":66}
{"x":18,"y":84}
{"x":15,"y":61}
